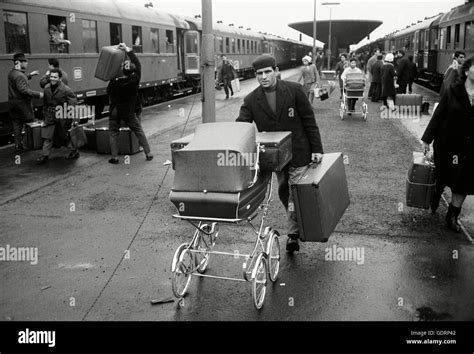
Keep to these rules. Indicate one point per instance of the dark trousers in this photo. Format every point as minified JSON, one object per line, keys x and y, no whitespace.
{"x":377,"y":88}
{"x":17,"y":128}
{"x":402,"y":88}
{"x":227,"y":86}
{"x":409,"y":87}
{"x":132,"y":122}
{"x":371,"y":90}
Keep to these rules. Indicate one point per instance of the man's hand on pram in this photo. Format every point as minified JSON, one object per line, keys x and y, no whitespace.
{"x":316,"y":157}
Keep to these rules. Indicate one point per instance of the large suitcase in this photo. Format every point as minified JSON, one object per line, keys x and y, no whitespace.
{"x":230,"y":206}
{"x":127,"y":141}
{"x":409,"y":100}
{"x":110,"y":63}
{"x":235,"y":85}
{"x":221,"y":157}
{"x":321,"y":197}
{"x":33,"y":135}
{"x":276,"y":150}
{"x":421,"y":183}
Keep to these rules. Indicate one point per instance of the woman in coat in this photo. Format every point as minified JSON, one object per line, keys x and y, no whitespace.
{"x":452,"y":129}
{"x":309,"y":75}
{"x":388,"y":80}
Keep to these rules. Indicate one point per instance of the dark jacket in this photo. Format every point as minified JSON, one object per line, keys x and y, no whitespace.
{"x":227,"y":72}
{"x":123,"y":91}
{"x":293,"y":113}
{"x":388,"y":83}
{"x":376,"y":71}
{"x":403,"y":74}
{"x":56,"y":121}
{"x":452,"y":129}
{"x":450,"y":76}
{"x":45,"y":79}
{"x":20,"y":95}
{"x":412,"y":71}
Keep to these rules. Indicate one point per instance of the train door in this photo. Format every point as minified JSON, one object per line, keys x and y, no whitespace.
{"x":191,"y":53}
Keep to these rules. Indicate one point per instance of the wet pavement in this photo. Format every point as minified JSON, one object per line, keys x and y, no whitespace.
{"x":106,"y":237}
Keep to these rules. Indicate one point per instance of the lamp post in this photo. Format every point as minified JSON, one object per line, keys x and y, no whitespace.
{"x":314,"y":33}
{"x":329,"y":37}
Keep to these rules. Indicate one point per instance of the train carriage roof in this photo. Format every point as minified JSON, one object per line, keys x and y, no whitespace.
{"x":458,"y":14}
{"x":219,"y":27}
{"x":424,"y":24}
{"x":117,"y":8}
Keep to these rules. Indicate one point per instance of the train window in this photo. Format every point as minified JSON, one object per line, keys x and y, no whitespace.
{"x":57,"y":29}
{"x":233,"y":45}
{"x":227,"y":45}
{"x":115,"y":33}
{"x":448,"y":37}
{"x":220,"y":45}
{"x":248,"y":46}
{"x":457,"y":29}
{"x":16,"y":32}
{"x":169,"y":41}
{"x":442,"y":38}
{"x":89,"y":36}
{"x":469,"y":35}
{"x":154,"y":39}
{"x":259,"y":50}
{"x":238,"y":46}
{"x":137,"y":39}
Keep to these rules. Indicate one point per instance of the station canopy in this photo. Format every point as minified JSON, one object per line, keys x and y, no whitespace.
{"x":347,"y":32}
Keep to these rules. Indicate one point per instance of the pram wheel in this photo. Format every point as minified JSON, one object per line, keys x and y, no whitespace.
{"x":259,"y":280}
{"x":182,"y":268}
{"x":273,"y":252}
{"x":205,"y":243}
{"x":365,"y":110}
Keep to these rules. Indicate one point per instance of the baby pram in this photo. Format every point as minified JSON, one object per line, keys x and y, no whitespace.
{"x":218,"y":181}
{"x":353,"y":90}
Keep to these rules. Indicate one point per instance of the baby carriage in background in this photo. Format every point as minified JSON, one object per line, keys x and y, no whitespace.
{"x":353,"y":90}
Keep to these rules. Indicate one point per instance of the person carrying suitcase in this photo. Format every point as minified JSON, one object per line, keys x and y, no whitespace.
{"x":279,"y":105}
{"x":123,"y":94}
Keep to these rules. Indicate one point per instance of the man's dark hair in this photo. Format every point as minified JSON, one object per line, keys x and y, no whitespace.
{"x":343,"y":55}
{"x":380,"y":57}
{"x":465,"y":67}
{"x":354,"y":59}
{"x":458,"y":53}
{"x":402,"y":52}
{"x":54,"y":62}
{"x":56,"y":70}
{"x":410,"y":57}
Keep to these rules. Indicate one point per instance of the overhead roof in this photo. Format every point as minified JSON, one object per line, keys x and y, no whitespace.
{"x":347,"y":31}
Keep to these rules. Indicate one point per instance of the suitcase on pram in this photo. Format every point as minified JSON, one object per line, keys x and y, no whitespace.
{"x":421,"y":183}
{"x":110,"y":63}
{"x":221,"y":157}
{"x":216,"y":205}
{"x":321,"y":197}
{"x":275,"y":154}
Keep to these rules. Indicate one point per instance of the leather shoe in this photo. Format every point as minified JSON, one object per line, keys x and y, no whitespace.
{"x":149,"y":157}
{"x":73,"y":155}
{"x":114,"y":161}
{"x":42,"y":159}
{"x":292,"y":245}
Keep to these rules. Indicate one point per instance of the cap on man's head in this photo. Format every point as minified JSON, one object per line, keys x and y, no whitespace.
{"x":264,"y":61}
{"x":389,"y":57}
{"x":20,"y":57}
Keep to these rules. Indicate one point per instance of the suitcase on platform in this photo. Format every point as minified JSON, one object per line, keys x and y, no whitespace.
{"x":409,"y":100}
{"x":110,"y":63}
{"x":33,"y":135}
{"x":221,"y":157}
{"x":277,"y":149}
{"x":321,"y":197}
{"x":216,"y":205}
{"x":421,"y":182}
{"x":235,"y":85}
{"x":127,"y":141}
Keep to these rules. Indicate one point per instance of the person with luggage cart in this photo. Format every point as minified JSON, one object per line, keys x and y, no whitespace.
{"x":278,"y":105}
{"x":123,"y":94}
{"x":451,"y":129}
{"x":352,"y":69}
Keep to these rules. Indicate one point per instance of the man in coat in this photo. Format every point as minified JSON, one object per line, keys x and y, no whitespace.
{"x":20,"y":106}
{"x":388,"y":84}
{"x":376,"y":74}
{"x":371,"y":62}
{"x":412,"y":73}
{"x":278,"y":105}
{"x":53,"y":64}
{"x":225,"y":75}
{"x":403,"y":73}
{"x":57,"y":122}
{"x":452,"y":72}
